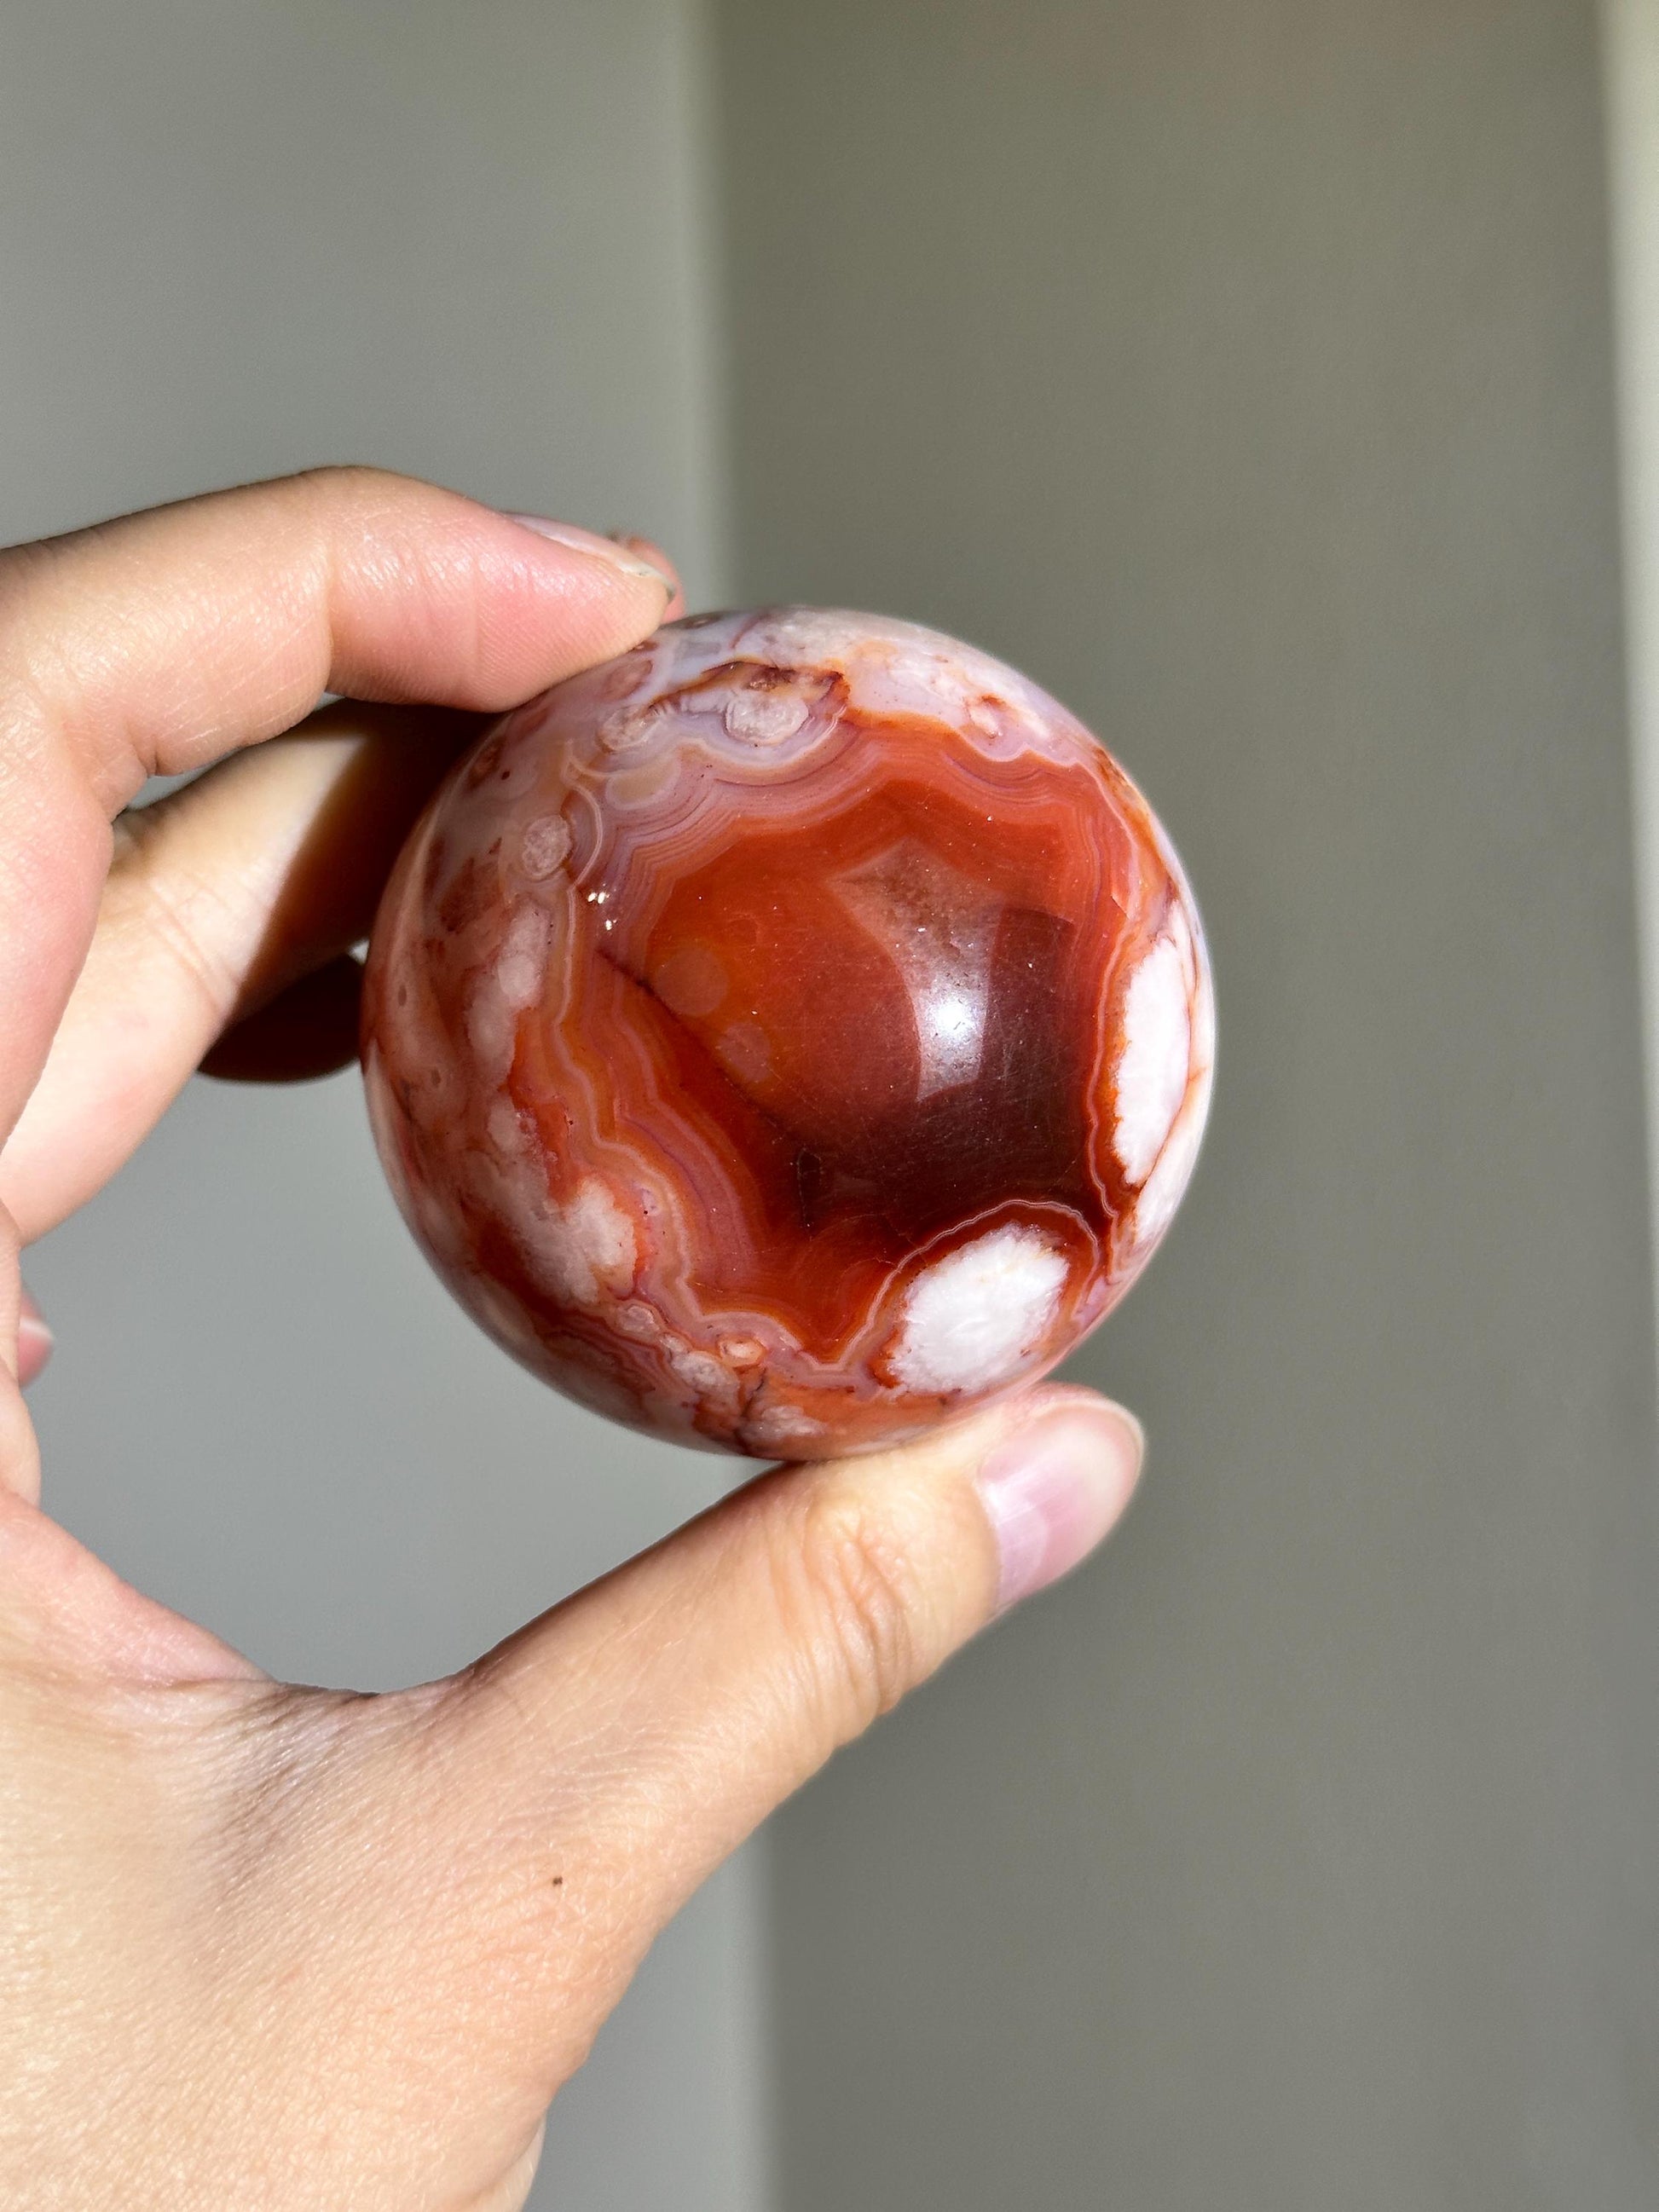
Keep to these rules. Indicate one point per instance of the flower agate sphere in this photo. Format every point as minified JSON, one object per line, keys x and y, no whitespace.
{"x":790,"y":1033}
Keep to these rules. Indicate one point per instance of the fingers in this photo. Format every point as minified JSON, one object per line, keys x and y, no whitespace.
{"x":577,"y":1785}
{"x":166,"y":640}
{"x":162,"y":641}
{"x":20,"y":1451}
{"x":35,"y":1341}
{"x":229,"y":906}
{"x":506,"y":1844}
{"x":648,"y":550}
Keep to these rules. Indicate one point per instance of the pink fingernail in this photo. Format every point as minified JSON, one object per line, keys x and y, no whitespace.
{"x":34,"y":1342}
{"x":626,"y":558}
{"x":646,"y":549}
{"x":1056,"y":1487}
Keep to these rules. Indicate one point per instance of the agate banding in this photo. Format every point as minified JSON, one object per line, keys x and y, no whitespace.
{"x":790,"y":1033}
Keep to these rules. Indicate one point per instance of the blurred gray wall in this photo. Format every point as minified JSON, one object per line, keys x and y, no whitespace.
{"x":1244,"y":372}
{"x":468,"y":242}
{"x":1630,"y":71}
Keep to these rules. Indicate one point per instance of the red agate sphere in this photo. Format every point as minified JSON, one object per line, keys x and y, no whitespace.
{"x":793,"y":1031}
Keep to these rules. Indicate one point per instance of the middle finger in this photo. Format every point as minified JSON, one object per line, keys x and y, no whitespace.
{"x":220,"y":896}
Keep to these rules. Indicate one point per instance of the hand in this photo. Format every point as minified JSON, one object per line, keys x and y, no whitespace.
{"x":263,"y":1946}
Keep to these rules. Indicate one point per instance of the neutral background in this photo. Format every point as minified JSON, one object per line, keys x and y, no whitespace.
{"x":1246,"y":373}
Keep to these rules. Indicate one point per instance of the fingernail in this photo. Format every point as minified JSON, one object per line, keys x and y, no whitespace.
{"x":630,"y":561}
{"x":34,"y":1342}
{"x":1056,"y":1487}
{"x":648,"y":550}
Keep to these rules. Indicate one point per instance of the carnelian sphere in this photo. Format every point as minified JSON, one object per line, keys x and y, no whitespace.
{"x":789,"y":1033}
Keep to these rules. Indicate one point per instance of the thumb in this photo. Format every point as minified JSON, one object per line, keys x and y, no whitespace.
{"x":569,"y":1791}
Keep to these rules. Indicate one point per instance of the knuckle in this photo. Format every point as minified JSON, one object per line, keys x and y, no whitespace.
{"x":329,"y":509}
{"x":854,"y":1607}
{"x":36,"y":676}
{"x":175,"y":937}
{"x":190,"y":922}
{"x":344,"y":498}
{"x":20,"y":566}
{"x":343,"y":483}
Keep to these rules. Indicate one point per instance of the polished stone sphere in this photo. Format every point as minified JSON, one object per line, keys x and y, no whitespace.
{"x":788,"y":1034}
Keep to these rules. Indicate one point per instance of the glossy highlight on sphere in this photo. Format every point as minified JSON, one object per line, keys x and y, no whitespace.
{"x":793,"y":1032}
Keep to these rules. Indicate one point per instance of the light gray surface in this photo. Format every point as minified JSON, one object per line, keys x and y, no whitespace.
{"x":466,"y":242}
{"x":1243,"y":372}
{"x":1630,"y":74}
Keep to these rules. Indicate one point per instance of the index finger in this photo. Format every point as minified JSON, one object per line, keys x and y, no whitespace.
{"x":158,"y":642}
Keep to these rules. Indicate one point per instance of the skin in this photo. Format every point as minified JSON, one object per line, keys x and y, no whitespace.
{"x":274,"y":1945}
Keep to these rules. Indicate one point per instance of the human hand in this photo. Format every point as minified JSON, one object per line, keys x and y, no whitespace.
{"x":264,"y":1946}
